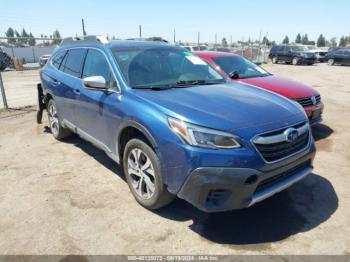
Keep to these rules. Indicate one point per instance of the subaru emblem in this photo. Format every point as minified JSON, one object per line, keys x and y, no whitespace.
{"x":291,"y":134}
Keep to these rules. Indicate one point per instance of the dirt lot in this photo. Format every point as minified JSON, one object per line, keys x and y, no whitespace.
{"x":68,"y":197}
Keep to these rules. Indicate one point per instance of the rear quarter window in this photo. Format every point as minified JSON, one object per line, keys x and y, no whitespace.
{"x":57,"y":59}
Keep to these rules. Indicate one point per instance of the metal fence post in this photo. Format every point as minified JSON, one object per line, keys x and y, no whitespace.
{"x":2,"y":89}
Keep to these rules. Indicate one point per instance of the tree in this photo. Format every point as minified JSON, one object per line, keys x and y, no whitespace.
{"x":224,"y":42}
{"x":31,"y":40}
{"x":56,"y":37}
{"x":333,"y":42}
{"x":10,"y":33}
{"x":305,"y":40}
{"x":298,"y":39}
{"x":342,"y":41}
{"x":266,"y":41}
{"x":286,"y":40}
{"x":24,"y":35}
{"x":321,"y":41}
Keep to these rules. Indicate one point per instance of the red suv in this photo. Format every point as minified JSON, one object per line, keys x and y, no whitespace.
{"x":240,"y":69}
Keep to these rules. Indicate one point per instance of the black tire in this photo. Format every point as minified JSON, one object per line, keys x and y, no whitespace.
{"x":57,"y":130}
{"x":160,"y":196}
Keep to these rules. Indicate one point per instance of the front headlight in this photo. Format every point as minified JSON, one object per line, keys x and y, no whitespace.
{"x":202,"y":137}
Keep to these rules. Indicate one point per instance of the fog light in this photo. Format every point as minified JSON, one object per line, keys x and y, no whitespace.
{"x":251,"y":180}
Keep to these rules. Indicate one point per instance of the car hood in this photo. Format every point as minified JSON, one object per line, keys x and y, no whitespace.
{"x":282,"y":86}
{"x":226,"y":106}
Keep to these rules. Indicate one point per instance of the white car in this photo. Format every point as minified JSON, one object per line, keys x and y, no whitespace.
{"x":319,"y":52}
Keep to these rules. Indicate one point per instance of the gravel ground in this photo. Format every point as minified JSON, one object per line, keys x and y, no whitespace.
{"x":70,"y":198}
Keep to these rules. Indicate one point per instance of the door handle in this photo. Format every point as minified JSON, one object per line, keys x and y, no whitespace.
{"x":56,"y":83}
{"x":77,"y":92}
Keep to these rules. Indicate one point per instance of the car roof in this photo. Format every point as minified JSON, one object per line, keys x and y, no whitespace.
{"x":214,"y":53}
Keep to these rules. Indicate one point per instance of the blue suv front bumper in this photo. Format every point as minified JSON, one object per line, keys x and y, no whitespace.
{"x":215,"y":189}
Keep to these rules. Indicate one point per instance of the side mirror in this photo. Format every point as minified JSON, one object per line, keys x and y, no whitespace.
{"x":233,"y":75}
{"x":95,"y":82}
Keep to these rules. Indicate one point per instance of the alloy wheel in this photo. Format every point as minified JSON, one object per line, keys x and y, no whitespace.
{"x":295,"y":61}
{"x":331,"y":62}
{"x":141,"y":172}
{"x":53,"y":119}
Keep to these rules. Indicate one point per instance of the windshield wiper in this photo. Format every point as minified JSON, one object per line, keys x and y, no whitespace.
{"x":161,"y":87}
{"x":185,"y":83}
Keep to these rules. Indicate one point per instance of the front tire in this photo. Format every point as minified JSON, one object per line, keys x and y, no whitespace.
{"x":143,"y":174}
{"x":57,"y":130}
{"x":331,"y":61}
{"x":295,"y":61}
{"x":274,"y":60}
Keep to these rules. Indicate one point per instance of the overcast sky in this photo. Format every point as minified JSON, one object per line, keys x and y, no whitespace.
{"x":239,"y":19}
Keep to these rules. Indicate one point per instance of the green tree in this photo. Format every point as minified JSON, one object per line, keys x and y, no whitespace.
{"x":24,"y":34}
{"x":56,"y":37}
{"x":10,"y":33}
{"x":305,"y":40}
{"x":31,"y":40}
{"x":266,"y":41}
{"x":286,"y":40}
{"x":333,"y":42}
{"x":321,"y":41}
{"x":298,"y":39}
{"x":224,"y":42}
{"x":342,"y":41}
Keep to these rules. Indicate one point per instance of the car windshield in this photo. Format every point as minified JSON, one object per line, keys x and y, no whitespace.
{"x":299,"y":48}
{"x":241,"y":66}
{"x":164,"y":67}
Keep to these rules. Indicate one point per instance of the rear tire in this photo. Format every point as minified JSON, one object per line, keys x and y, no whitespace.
{"x":57,"y":130}
{"x":143,"y":175}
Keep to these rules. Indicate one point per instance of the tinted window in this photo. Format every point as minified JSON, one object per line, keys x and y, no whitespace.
{"x":243,"y":67}
{"x":74,"y":62}
{"x":347,"y":52}
{"x":339,"y":52}
{"x":97,"y":65}
{"x":57,"y":59}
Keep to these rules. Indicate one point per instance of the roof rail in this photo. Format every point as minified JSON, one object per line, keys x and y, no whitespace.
{"x":84,"y":39}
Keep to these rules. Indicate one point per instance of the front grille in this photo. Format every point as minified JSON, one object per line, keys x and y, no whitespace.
{"x":308,"y":101}
{"x":275,"y":151}
{"x":268,"y":182}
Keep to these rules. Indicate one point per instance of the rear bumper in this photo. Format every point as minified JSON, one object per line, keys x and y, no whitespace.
{"x":213,"y":189}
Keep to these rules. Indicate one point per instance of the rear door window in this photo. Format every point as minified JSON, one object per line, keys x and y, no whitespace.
{"x":74,"y":62}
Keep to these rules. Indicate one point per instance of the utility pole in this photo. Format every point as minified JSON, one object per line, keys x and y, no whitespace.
{"x":83,"y":25}
{"x":198,"y":38}
{"x":231,"y":40}
{"x":2,"y":89}
{"x":140,"y":32}
{"x":174,"y":36}
{"x":216,"y":39}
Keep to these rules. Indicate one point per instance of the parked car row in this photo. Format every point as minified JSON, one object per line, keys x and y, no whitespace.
{"x":299,"y":54}
{"x":177,"y":124}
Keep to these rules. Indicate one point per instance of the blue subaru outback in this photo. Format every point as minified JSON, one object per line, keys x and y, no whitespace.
{"x":175,"y":125}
